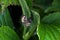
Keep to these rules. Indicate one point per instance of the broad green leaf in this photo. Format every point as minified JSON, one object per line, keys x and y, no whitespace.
{"x":8,"y":19}
{"x":49,"y":28}
{"x":5,"y":18}
{"x":2,"y":21}
{"x":38,"y":9}
{"x":42,"y":3}
{"x":54,"y":7}
{"x":41,"y":32}
{"x":25,"y":8}
{"x":48,"y":32}
{"x":6,"y":33}
{"x":53,"y":18}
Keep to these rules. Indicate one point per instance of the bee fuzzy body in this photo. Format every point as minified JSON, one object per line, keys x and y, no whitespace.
{"x":25,"y":21}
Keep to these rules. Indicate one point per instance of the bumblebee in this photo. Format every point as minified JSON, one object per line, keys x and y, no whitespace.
{"x":25,"y":21}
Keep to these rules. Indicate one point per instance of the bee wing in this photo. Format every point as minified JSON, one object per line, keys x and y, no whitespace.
{"x":27,"y":24}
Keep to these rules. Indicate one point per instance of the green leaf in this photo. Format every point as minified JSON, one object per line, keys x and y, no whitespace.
{"x":6,"y":33}
{"x":41,"y":32}
{"x":6,"y":3}
{"x":48,"y":32}
{"x":53,"y":18}
{"x":54,"y":7}
{"x":15,"y":2}
{"x":0,"y":8}
{"x":42,"y":3}
{"x":5,"y":18}
{"x":29,"y":3}
{"x":49,"y":28}
{"x":25,"y":8}
{"x":34,"y":24}
{"x":36,"y":17}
